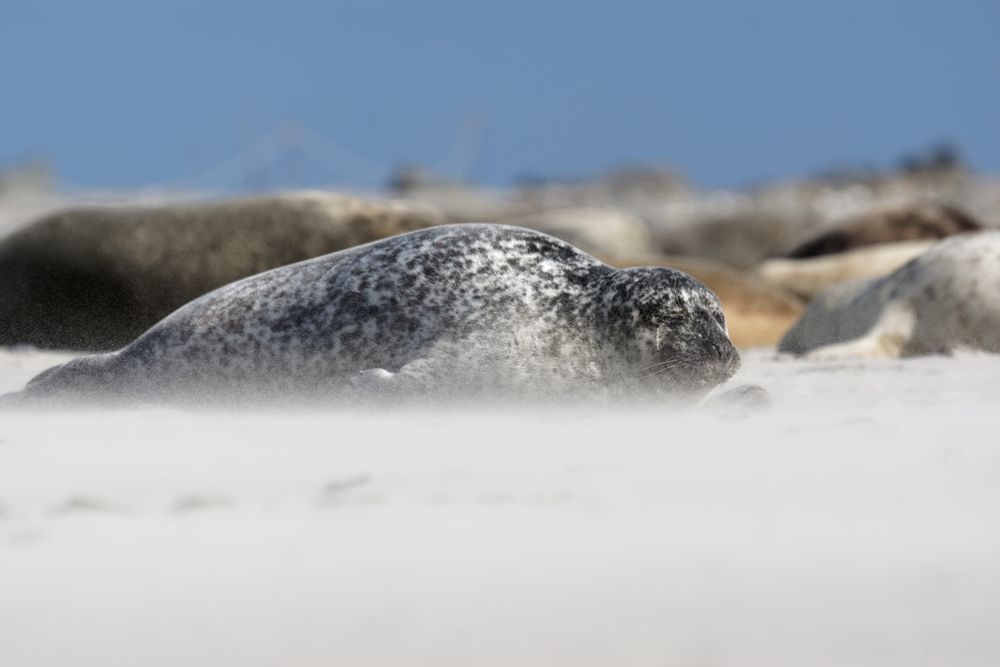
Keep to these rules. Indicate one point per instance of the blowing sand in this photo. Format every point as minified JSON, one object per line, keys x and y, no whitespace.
{"x":851,"y":524}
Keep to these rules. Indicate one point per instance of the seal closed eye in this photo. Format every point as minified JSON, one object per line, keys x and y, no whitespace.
{"x":463,"y":310}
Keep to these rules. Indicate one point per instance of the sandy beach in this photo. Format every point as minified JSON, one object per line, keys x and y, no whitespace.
{"x":848,"y":524}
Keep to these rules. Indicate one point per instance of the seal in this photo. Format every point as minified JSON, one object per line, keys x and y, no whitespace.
{"x":944,"y":301}
{"x":740,"y":238}
{"x":809,"y":276}
{"x":94,"y":278}
{"x":461,"y":310}
{"x":924,"y":221}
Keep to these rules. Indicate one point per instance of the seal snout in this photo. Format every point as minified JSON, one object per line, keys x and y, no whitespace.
{"x":726,"y":358}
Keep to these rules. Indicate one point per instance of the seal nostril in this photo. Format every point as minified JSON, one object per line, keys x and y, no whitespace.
{"x":733,"y":361}
{"x":726,"y":355}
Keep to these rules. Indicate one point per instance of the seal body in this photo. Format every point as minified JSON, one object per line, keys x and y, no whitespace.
{"x":458,"y":309}
{"x":945,"y":300}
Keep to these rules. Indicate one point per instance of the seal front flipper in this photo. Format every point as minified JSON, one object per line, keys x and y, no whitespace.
{"x":873,"y":346}
{"x":887,"y":339}
{"x":412,"y":379}
{"x":739,"y":402}
{"x":372,"y":379}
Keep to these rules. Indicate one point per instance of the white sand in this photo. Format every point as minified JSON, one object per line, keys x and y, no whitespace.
{"x":853,"y":524}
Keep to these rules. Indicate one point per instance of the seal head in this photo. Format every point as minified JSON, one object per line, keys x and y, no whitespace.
{"x":668,"y":329}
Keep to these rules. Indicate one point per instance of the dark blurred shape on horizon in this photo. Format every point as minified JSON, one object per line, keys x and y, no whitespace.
{"x":941,"y":158}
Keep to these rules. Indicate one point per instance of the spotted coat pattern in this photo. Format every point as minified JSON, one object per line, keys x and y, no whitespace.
{"x":456,"y":307}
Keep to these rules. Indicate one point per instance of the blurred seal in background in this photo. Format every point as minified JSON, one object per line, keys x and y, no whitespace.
{"x":923,"y":221}
{"x":95,"y":278}
{"x":945,"y":300}
{"x":870,"y":245}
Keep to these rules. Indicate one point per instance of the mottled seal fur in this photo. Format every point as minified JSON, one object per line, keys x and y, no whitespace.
{"x":757,"y":312}
{"x":928,"y":221}
{"x":458,"y":309}
{"x":946,"y":300}
{"x":94,"y":278}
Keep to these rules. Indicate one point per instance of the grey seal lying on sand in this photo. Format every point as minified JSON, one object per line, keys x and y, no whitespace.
{"x":457,"y":310}
{"x":945,"y":300}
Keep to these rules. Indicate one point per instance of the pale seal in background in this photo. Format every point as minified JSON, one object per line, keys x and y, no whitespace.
{"x":94,"y":278}
{"x":457,"y":310}
{"x":944,"y":301}
{"x":808,"y":277}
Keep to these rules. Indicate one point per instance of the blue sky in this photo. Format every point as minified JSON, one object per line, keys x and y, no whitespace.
{"x":128,"y":93}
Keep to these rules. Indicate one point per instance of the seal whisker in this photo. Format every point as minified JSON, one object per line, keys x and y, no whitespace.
{"x":658,"y":364}
{"x":706,"y":397}
{"x":681,"y":364}
{"x":677,"y":364}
